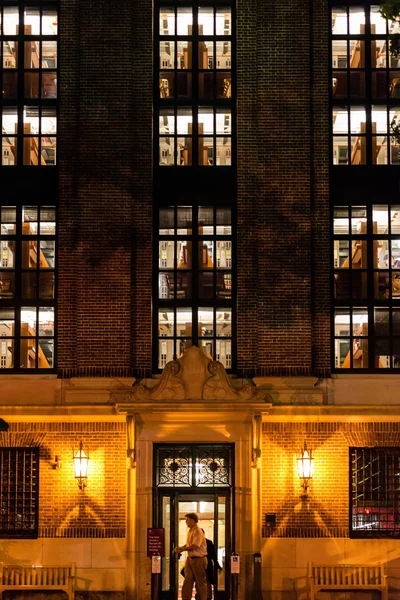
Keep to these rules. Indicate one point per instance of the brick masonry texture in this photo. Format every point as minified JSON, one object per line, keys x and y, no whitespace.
{"x":104,"y":316}
{"x":105,"y":185}
{"x":64,"y":509}
{"x":283,"y":202}
{"x":326,"y":512}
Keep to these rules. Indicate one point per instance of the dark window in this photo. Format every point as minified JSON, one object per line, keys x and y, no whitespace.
{"x":28,"y":58}
{"x":375,"y":492}
{"x":19,"y":491}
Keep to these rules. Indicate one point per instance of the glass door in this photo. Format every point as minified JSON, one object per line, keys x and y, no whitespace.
{"x":213,"y":510}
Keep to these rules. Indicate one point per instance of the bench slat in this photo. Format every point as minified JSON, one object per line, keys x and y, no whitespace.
{"x":346,"y":577}
{"x":61,"y":577}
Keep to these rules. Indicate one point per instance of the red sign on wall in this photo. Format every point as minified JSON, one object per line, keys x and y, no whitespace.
{"x":155,"y":541}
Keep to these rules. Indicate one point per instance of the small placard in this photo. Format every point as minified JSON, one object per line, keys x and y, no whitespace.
{"x":235,"y":564}
{"x":155,"y":541}
{"x":156,"y":564}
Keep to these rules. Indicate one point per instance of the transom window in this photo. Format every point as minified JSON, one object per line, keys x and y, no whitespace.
{"x":365,"y":87}
{"x":28,"y":56}
{"x":195,"y":292}
{"x":375,"y":492}
{"x":198,"y":466}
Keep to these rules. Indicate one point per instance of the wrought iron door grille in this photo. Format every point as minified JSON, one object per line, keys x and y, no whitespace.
{"x":200,"y":465}
{"x":19,"y":492}
{"x":375,"y":492}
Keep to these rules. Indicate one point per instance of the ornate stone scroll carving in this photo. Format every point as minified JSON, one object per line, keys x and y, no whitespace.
{"x":194,"y":376}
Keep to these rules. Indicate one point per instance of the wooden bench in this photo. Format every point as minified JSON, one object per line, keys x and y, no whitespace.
{"x":38,"y":577}
{"x":346,"y":577}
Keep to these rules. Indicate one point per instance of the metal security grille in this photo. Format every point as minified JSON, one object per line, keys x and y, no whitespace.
{"x":375,"y":492}
{"x":19,"y":492}
{"x":198,"y":466}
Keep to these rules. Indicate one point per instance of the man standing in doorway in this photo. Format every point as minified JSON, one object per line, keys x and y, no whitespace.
{"x":196,"y":562}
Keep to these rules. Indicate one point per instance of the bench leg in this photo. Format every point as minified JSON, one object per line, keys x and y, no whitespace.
{"x":385,"y":594}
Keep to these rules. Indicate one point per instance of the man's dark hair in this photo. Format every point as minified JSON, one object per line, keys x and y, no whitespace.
{"x":192,"y":516}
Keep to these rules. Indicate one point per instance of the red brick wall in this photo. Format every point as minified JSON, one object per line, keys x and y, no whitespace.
{"x":105,"y":247}
{"x":283,"y":208}
{"x":64,"y":510}
{"x":321,"y":251}
{"x":326,"y":512}
{"x":104,"y":319}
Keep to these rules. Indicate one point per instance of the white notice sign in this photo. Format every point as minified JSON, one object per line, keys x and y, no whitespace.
{"x":235,"y":564}
{"x":156,"y":564}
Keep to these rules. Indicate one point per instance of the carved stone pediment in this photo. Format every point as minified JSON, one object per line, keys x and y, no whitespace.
{"x":193,"y":376}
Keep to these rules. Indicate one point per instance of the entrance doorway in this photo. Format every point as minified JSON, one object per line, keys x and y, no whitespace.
{"x":212,"y":504}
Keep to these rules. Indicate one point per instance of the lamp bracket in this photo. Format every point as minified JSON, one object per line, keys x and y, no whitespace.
{"x":131,"y":441}
{"x":256,"y":441}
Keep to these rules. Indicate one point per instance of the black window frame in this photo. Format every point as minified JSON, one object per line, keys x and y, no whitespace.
{"x":368,"y":100}
{"x":195,"y":302}
{"x":383,"y":313}
{"x":366,"y":185}
{"x":17,"y":302}
{"x":195,"y":102}
{"x":23,"y":103}
{"x":194,"y":185}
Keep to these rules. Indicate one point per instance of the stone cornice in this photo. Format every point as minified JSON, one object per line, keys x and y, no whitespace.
{"x":47,"y":414}
{"x":209,"y":409}
{"x":340,"y":413}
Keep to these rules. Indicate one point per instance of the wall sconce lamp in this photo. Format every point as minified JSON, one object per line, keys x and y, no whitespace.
{"x":81,"y":462}
{"x":305,"y":465}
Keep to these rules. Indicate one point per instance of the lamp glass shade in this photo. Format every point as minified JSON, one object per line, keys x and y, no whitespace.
{"x":81,"y":461}
{"x":305,"y":465}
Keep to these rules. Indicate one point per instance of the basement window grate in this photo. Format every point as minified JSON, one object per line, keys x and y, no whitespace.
{"x":19,"y":492}
{"x":375,"y":492}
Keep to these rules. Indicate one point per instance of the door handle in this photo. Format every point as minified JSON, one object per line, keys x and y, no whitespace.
{"x":175,"y":554}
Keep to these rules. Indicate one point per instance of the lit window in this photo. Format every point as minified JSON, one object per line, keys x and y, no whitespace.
{"x":195,"y":295}
{"x":27,"y":278}
{"x":28,"y":56}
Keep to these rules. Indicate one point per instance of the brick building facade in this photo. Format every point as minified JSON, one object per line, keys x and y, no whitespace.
{"x":136,"y":373}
